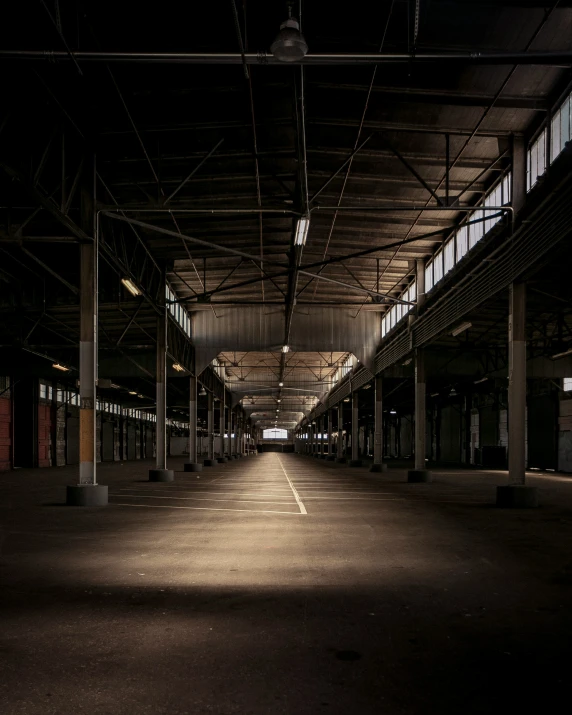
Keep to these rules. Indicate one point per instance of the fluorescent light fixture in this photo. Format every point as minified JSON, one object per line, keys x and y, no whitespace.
{"x":302,"y":231}
{"x":141,"y":396}
{"x":553,"y":357}
{"x":392,"y":412}
{"x":131,"y":287}
{"x":278,"y":400}
{"x":434,"y":394}
{"x":132,"y":392}
{"x":285,"y":349}
{"x":461,"y":328}
{"x":63,"y":368}
{"x":280,"y":384}
{"x":483,"y":379}
{"x":408,"y":362}
{"x":115,"y":387}
{"x":347,"y":399}
{"x":177,"y":367}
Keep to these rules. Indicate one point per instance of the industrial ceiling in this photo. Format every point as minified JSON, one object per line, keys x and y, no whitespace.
{"x":209,"y":150}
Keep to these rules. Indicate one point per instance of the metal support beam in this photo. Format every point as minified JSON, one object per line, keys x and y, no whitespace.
{"x":193,"y":456}
{"x":88,"y":492}
{"x":355,"y":460}
{"x":420,"y":473}
{"x":87,"y":350}
{"x":517,"y":384}
{"x":329,"y":428}
{"x":340,"y":443}
{"x":561,"y":58}
{"x":516,"y":493}
{"x":228,"y":427}
{"x":210,"y":425}
{"x":378,"y":465}
{"x":160,"y":473}
{"x":222,"y":410}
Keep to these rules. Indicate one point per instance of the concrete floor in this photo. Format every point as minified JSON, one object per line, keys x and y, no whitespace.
{"x":218,"y":594}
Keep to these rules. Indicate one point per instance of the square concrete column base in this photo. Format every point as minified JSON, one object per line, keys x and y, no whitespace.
{"x":161,"y":475}
{"x":192,"y":467}
{"x":222,"y":460}
{"x":86,"y":495}
{"x":417,"y":476}
{"x":209,"y":462}
{"x":341,"y":460}
{"x":517,"y":496}
{"x":378,"y":467}
{"x":355,"y":462}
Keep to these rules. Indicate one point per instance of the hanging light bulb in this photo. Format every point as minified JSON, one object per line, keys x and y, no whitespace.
{"x":289,"y":45}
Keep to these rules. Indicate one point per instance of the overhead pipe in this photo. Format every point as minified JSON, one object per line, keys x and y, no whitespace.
{"x":555,"y":59}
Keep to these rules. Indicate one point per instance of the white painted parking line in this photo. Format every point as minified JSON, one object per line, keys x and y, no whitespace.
{"x":207,"y":508}
{"x":355,"y":499}
{"x":296,"y":496}
{"x":203,"y":491}
{"x":242,"y":501}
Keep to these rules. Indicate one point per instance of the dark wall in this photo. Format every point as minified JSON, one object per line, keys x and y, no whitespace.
{"x":25,"y":392}
{"x":488,"y":426}
{"x":542,"y":431}
{"x":451,"y":434}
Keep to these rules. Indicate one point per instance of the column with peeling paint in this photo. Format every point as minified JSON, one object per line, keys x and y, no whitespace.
{"x":88,"y":492}
{"x":193,"y":465}
{"x":355,"y":461}
{"x":378,"y":465}
{"x":420,"y":473}
{"x":161,"y":473}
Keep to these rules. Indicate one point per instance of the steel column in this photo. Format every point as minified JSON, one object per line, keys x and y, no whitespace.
{"x":329,"y":433}
{"x":161,"y":473}
{"x":355,"y":461}
{"x":87,"y":366}
{"x":210,"y":425}
{"x":340,"y":443}
{"x":420,"y":473}
{"x":161,"y":456}
{"x":516,"y":493}
{"x":193,"y":419}
{"x":222,"y":415}
{"x":517,"y":384}
{"x":378,"y":465}
{"x":88,"y":492}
